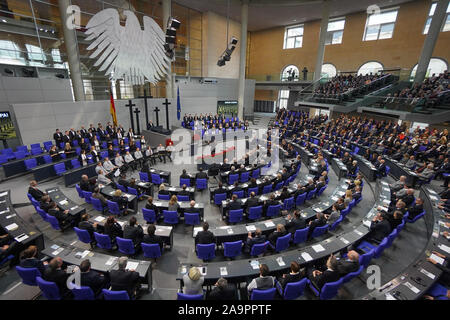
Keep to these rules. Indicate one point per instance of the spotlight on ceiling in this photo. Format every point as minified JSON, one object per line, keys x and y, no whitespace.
{"x":60,"y":75}
{"x":8,"y":71}
{"x":27,"y":73}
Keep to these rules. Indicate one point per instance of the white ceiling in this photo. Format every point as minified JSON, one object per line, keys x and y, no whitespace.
{"x":265,"y":14}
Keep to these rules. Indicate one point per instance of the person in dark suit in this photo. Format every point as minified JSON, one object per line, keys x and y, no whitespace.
{"x":58,"y":137}
{"x":270,"y":202}
{"x":225,"y":166}
{"x":94,"y":280}
{"x":279,"y":232}
{"x":349,"y":264}
{"x":381,"y":168}
{"x":192,"y":208}
{"x":183,"y":191}
{"x":235,"y":203}
{"x":123,"y":180}
{"x":150,"y":206}
{"x":201,"y":174}
{"x":46,"y":203}
{"x":252,"y":201}
{"x":284,"y":194}
{"x":220,"y":189}
{"x":30,"y":260}
{"x":394,"y":219}
{"x":295,"y":222}
{"x":88,"y":226}
{"x":319,"y":278}
{"x":55,"y":273}
{"x":184,"y":175}
{"x":84,"y":183}
{"x":134,"y":232}
{"x":318,"y":222}
{"x":123,"y":279}
{"x":310,"y":186}
{"x":34,"y":191}
{"x":379,"y":228}
{"x":151,"y":238}
{"x":416,"y":209}
{"x":122,"y":201}
{"x":112,"y":228}
{"x":258,"y":238}
{"x":222,"y":291}
{"x":205,"y":236}
{"x":63,"y":217}
{"x":294,"y":275}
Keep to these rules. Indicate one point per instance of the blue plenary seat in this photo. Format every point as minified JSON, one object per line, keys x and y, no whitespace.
{"x":293,"y":290}
{"x":83,"y":235}
{"x":201,"y":184}
{"x":300,"y":199}
{"x":28,"y":275}
{"x":273,"y":210}
{"x":103,"y":241}
{"x":301,"y":235}
{"x":259,"y":248}
{"x":30,"y":163}
{"x":268,"y":294}
{"x":192,"y":219}
{"x":182,"y":296}
{"x":219,"y":197}
{"x":255,"y":213}
{"x":170,"y":217}
{"x":232,"y":249}
{"x":206,"y":252}
{"x":143,"y":176}
{"x":282,"y":243}
{"x":115,"y":295}
{"x":49,"y":289}
{"x":235,"y":216}
{"x":60,"y":168}
{"x":83,"y":293}
{"x":149,"y":215}
{"x":125,"y":246}
{"x":152,"y":251}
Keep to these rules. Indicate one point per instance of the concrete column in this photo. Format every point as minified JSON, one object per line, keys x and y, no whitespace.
{"x":242,"y":58}
{"x":322,"y":38}
{"x":73,"y":57}
{"x":167,"y":12}
{"x":430,"y":40}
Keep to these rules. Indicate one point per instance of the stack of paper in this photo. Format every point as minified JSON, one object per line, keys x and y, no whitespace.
{"x":306,"y":256}
{"x":132,"y":265}
{"x":437,"y":259}
{"x":12,"y":227}
{"x":318,"y":248}
{"x":254,"y":264}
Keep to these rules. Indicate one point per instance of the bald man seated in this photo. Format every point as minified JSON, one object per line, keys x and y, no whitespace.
{"x":349,"y":264}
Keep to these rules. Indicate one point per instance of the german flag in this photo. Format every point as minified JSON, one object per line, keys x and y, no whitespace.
{"x":112,"y":110}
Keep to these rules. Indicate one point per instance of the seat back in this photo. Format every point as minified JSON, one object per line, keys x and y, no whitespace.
{"x":288,"y":203}
{"x":318,"y":231}
{"x":330,"y":289}
{"x":133,"y":191}
{"x":28,"y":275}
{"x":103,"y":241}
{"x":232,"y":178}
{"x":349,"y":276}
{"x":201,"y":184}
{"x":300,"y":199}
{"x":60,"y":168}
{"x":182,"y":296}
{"x":113,"y":207}
{"x":53,"y":222}
{"x":321,"y":190}
{"x":259,"y":248}
{"x":244,"y":177}
{"x":232,"y":249}
{"x":279,"y":185}
{"x":143,"y":176}
{"x":163,"y":196}
{"x":121,"y":187}
{"x":391,"y":237}
{"x":336,"y":223}
{"x":192,"y":219}
{"x":379,"y":250}
{"x":283,"y":243}
{"x":240,"y":194}
{"x":293,"y":290}
{"x":346,"y":211}
{"x":75,"y":163}
{"x":255,"y":190}
{"x":87,"y":196}
{"x":125,"y":246}
{"x":149,"y":215}
{"x":47,"y":145}
{"x":268,"y":294}
{"x":19,"y":155}
{"x":256,"y":173}
{"x":83,"y":235}
{"x":219,"y":197}
{"x":170,"y":217}
{"x":83,"y":293}
{"x":156,"y":178}
{"x":185,"y":181}
{"x":206,"y":251}
{"x":183,"y":198}
{"x":47,"y":159}
{"x":235,"y":215}
{"x":267,"y":189}
{"x":301,"y":235}
{"x":254,"y":213}
{"x":151,"y":251}
{"x":273,"y":210}
{"x":97,"y":204}
{"x":42,"y":213}
{"x":365,"y":258}
{"x":311,"y":194}
{"x":115,"y":295}
{"x":30,"y":163}
{"x":80,"y":192}
{"x":49,"y":289}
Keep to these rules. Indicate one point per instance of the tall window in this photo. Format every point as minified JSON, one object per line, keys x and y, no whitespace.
{"x":10,"y":53}
{"x":283,"y":98}
{"x":380,"y":25}
{"x":436,"y":66}
{"x":293,"y":37}
{"x":35,"y":55}
{"x":328,"y":70}
{"x":335,"y":31}
{"x":370,"y":67}
{"x":290,"y":73}
{"x":445,"y":25}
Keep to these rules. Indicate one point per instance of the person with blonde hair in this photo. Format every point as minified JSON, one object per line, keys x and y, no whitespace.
{"x":173,"y":203}
{"x":348,"y":197}
{"x":121,"y":200}
{"x":193,"y":282}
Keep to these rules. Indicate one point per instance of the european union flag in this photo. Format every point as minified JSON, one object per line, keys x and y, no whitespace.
{"x":178,"y":104}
